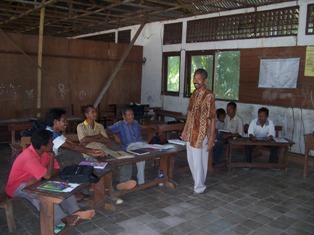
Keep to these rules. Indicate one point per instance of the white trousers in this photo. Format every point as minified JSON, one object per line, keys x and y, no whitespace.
{"x":140,"y":165}
{"x":198,"y":163}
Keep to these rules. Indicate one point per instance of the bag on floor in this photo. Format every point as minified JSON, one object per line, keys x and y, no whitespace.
{"x":79,"y":174}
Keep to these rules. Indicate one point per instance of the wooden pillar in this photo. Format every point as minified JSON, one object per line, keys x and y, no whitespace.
{"x":116,"y":70}
{"x":40,"y":56}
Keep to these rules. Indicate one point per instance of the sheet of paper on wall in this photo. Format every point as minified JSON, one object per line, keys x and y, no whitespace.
{"x":278,"y":73}
{"x":309,"y":61}
{"x":280,"y":140}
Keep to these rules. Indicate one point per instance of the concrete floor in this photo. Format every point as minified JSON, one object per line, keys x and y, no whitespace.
{"x":256,"y":201}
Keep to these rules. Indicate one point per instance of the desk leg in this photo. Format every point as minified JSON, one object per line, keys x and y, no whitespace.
{"x":103,"y":193}
{"x":285,"y":155}
{"x":229,"y":156}
{"x":171,"y":183}
{"x":46,"y":217}
{"x":306,"y":156}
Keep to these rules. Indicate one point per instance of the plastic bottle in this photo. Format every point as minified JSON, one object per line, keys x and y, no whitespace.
{"x":161,"y":176}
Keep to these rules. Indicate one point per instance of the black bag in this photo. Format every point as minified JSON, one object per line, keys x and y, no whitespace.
{"x":79,"y":174}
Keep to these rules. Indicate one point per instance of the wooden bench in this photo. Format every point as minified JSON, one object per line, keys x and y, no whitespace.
{"x":308,"y":145}
{"x":6,"y":204}
{"x":160,"y":114}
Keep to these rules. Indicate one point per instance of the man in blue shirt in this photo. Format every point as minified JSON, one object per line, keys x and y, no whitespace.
{"x":127,"y":133}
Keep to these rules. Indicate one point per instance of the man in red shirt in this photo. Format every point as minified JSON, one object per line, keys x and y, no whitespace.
{"x":33,"y":164}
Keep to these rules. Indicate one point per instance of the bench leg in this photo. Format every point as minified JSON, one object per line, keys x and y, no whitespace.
{"x":9,"y":215}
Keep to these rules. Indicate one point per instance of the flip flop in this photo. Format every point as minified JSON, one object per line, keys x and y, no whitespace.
{"x":126,"y":185}
{"x":71,"y":220}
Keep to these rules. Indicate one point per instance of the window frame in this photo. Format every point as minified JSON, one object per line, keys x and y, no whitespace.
{"x":188,"y":60}
{"x":165,"y":57}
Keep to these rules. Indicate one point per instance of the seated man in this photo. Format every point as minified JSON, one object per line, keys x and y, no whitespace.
{"x":67,"y":152}
{"x":220,"y":131}
{"x":262,"y":128}
{"x":37,"y":162}
{"x":92,"y":134}
{"x":127,"y":133}
{"x":234,"y":128}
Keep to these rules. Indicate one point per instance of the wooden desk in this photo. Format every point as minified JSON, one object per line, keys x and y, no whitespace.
{"x":308,"y":145}
{"x":102,"y":196}
{"x":283,"y":155}
{"x":166,"y":164}
{"x":16,"y":124}
{"x":46,"y":201}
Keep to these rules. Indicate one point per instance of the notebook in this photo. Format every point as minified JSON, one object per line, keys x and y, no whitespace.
{"x":141,"y":151}
{"x":58,"y":186}
{"x":96,"y":165}
{"x":177,"y":141}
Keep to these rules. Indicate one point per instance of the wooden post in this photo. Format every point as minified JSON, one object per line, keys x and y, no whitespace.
{"x":116,"y":70}
{"x":40,"y":56}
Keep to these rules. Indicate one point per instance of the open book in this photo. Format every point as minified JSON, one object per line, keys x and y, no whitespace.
{"x":141,"y":151}
{"x":177,"y":141}
{"x":119,"y":154}
{"x":58,"y":186}
{"x":96,"y":165}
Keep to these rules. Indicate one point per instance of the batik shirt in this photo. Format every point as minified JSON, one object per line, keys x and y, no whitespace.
{"x":201,"y":108}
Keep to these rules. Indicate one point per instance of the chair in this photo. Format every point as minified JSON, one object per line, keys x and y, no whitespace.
{"x":277,"y":130}
{"x":6,"y":204}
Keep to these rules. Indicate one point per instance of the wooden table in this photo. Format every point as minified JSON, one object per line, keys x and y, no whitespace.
{"x":166,"y":164}
{"x":16,"y":124}
{"x":308,"y":145}
{"x":47,"y":199}
{"x":283,"y":156}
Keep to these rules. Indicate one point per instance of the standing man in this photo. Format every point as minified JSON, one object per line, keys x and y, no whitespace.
{"x":199,"y":130}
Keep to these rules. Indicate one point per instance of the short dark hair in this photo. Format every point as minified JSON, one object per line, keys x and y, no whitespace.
{"x":203,"y":72}
{"x":264,"y":110}
{"x":234,"y":105}
{"x":86,"y":108}
{"x":125,"y":109}
{"x":40,"y":137}
{"x":54,"y":114}
{"x":220,"y":112}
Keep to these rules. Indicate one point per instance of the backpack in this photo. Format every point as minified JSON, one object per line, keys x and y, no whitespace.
{"x":79,"y":174}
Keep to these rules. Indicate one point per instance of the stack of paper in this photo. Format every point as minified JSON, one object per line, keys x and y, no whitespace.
{"x":159,"y":146}
{"x":177,"y":141}
{"x":96,"y":165}
{"x":119,"y":154}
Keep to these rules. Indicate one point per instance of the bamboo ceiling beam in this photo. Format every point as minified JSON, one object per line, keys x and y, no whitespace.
{"x":40,"y":56}
{"x":116,"y":70}
{"x":13,"y":18}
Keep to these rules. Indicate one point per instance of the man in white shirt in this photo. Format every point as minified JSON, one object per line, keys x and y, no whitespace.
{"x":262,"y":128}
{"x":233,"y":122}
{"x":234,"y":126}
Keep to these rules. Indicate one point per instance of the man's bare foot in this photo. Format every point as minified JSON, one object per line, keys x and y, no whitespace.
{"x":71,"y":220}
{"x":88,"y":214}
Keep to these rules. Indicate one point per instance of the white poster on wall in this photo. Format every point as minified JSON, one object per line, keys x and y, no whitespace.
{"x":278,"y":73}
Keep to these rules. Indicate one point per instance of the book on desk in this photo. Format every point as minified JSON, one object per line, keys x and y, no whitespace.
{"x":140,"y":151}
{"x":58,"y":186}
{"x":96,"y":165}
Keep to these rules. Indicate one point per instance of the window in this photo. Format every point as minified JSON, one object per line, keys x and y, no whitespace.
{"x":173,"y":33}
{"x":223,"y":69}
{"x":310,"y":19}
{"x":171,"y":73}
{"x":272,"y":23}
{"x":194,"y":61}
{"x":124,"y":36}
{"x":227,"y":75}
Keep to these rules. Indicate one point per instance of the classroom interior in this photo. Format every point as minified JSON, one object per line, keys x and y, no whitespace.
{"x":111,"y":54}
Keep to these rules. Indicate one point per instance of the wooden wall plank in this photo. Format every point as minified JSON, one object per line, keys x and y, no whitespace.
{"x":75,"y":72}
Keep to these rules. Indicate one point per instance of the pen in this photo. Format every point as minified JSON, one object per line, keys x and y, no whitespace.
{"x":76,"y":170}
